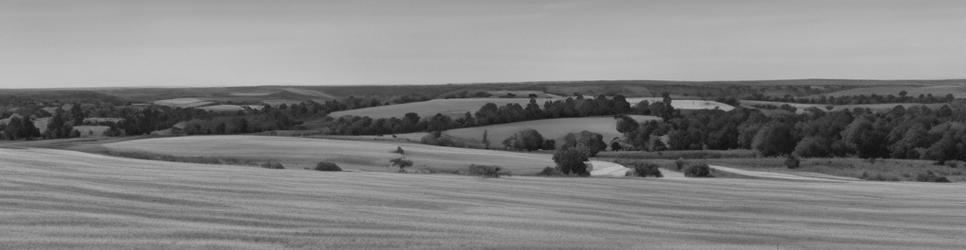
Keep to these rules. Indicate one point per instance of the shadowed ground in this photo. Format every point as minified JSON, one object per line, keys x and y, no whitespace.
{"x":65,"y":199}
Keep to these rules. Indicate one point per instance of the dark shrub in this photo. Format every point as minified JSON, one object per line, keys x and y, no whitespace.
{"x":698,"y":170}
{"x":679,"y":163}
{"x":327,"y":166}
{"x":929,"y":176}
{"x":647,"y":169}
{"x":401,"y":163}
{"x":550,"y":171}
{"x":484,"y":171}
{"x":880,"y":177}
{"x":952,"y":164}
{"x":792,"y":161}
{"x":272,"y":165}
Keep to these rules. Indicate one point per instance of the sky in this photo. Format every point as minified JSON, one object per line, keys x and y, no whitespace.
{"x":102,"y":43}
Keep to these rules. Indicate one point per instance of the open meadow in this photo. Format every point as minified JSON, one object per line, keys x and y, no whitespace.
{"x":66,"y":199}
{"x":300,"y":153}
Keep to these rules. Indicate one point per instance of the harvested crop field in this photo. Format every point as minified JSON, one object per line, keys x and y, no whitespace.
{"x":350,"y":154}
{"x":685,"y":104}
{"x":183,"y":102}
{"x":222,"y":108}
{"x":65,"y":199}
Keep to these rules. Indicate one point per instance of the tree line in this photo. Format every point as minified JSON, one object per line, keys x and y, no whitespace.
{"x":490,"y":113}
{"x":902,"y":97}
{"x":916,"y":132}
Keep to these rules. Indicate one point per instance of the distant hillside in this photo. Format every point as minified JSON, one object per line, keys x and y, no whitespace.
{"x":630,"y":88}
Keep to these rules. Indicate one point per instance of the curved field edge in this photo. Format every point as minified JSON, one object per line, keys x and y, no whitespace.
{"x":65,"y":199}
{"x":351,"y":154}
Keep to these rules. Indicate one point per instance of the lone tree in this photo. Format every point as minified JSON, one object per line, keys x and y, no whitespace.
{"x":792,"y":161}
{"x":401,"y":163}
{"x":668,"y":111}
{"x":570,"y":160}
{"x":486,"y":140}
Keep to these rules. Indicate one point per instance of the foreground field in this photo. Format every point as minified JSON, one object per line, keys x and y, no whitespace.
{"x":64,"y":199}
{"x":353,"y":155}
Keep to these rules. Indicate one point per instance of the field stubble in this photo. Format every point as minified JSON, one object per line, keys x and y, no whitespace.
{"x":66,"y":199}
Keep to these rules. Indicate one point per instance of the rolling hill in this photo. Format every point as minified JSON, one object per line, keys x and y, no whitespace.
{"x":53,"y":199}
{"x":350,"y":154}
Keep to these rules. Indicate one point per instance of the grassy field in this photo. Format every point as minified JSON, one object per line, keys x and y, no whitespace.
{"x":299,"y":153}
{"x":549,"y":128}
{"x":685,"y":104}
{"x":458,"y":107}
{"x":879,"y":107}
{"x":881,"y":169}
{"x":958,"y":89}
{"x":222,"y":108}
{"x":183,"y":102}
{"x":64,"y":199}
{"x":680,"y":154}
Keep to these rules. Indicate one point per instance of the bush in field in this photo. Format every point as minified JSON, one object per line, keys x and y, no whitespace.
{"x":401,"y":163}
{"x":550,"y":171}
{"x":792,"y":161}
{"x":399,"y":150}
{"x":878,"y":177}
{"x":272,"y":165}
{"x":438,"y":139}
{"x":680,"y":163}
{"x":647,"y":169}
{"x":327,"y":166}
{"x":484,"y":171}
{"x":929,"y":176}
{"x":698,"y":170}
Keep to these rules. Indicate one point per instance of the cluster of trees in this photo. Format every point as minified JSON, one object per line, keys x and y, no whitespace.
{"x":576,"y":149}
{"x":906,"y":133}
{"x":903,"y":97}
{"x":144,"y":119}
{"x":18,"y":128}
{"x":61,"y":125}
{"x":529,"y":140}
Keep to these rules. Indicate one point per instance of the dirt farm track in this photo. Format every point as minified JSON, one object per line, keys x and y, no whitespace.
{"x":65,"y":199}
